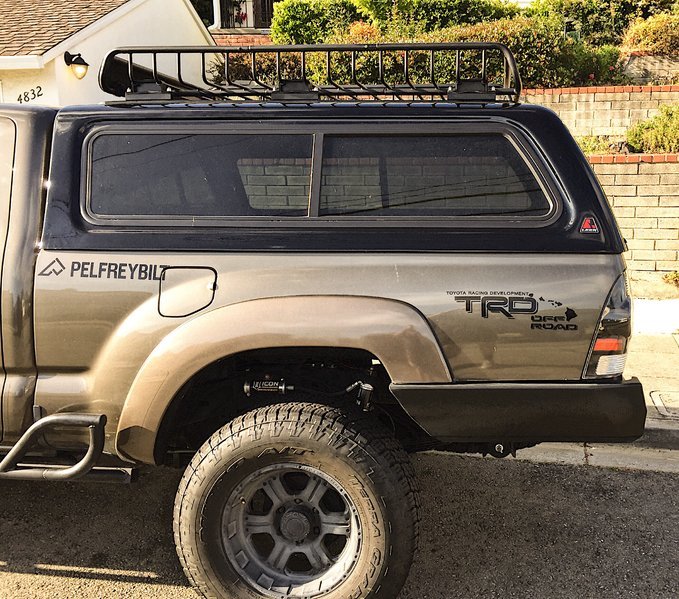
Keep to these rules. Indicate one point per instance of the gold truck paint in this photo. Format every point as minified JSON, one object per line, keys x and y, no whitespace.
{"x":103,"y":346}
{"x":397,"y":335}
{"x":25,"y":144}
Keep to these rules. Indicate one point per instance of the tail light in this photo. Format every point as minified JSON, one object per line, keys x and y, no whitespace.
{"x":608,"y":353}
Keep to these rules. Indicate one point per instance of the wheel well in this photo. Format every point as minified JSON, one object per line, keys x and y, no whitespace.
{"x":217,"y":394}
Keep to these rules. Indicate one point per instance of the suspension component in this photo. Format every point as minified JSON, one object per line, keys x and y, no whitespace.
{"x":365,"y":395}
{"x":267,"y":386}
{"x":364,"y":391}
{"x":502,"y":450}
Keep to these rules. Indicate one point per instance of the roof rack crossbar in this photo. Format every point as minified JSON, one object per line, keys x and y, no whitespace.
{"x":465,"y":72}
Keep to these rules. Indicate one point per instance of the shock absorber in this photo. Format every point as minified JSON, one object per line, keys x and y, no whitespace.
{"x":267,"y":386}
{"x":280,"y":387}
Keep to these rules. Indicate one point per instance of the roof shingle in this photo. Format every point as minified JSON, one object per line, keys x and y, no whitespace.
{"x":32,"y":27}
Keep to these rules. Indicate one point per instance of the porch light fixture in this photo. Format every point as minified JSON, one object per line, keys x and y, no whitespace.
{"x":77,"y":64}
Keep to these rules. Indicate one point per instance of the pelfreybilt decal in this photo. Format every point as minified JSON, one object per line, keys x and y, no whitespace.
{"x":105,"y":270}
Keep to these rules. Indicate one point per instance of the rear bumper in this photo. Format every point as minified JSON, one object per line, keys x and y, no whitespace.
{"x":528,"y":412}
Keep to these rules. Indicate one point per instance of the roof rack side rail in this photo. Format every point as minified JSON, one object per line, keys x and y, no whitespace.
{"x":461,"y":72}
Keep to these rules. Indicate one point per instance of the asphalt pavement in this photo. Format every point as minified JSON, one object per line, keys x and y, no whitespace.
{"x":491,"y":529}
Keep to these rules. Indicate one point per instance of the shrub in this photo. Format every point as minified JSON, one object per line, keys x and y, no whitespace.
{"x":597,"y":144}
{"x":658,"y":34}
{"x":438,"y":14}
{"x":381,"y":11}
{"x":599,"y":21}
{"x":659,"y":134}
{"x":544,"y":56}
{"x":672,"y":278}
{"x":597,"y":66}
{"x":310,"y":21}
{"x":302,"y":21}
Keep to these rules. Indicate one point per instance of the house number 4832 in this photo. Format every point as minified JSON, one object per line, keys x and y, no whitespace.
{"x":30,"y":95}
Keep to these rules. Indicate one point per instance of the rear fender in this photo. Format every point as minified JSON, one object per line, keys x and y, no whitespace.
{"x":394,"y":332}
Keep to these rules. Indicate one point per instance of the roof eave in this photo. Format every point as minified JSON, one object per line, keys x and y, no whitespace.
{"x":39,"y":61}
{"x":11,"y":63}
{"x":89,"y":30}
{"x":106,"y":20}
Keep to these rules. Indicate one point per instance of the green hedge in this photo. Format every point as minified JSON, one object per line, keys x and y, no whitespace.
{"x":659,"y":134}
{"x":656,"y":35}
{"x":310,"y":21}
{"x":438,"y":14}
{"x":599,"y":21}
{"x":545,"y":58}
{"x":435,"y":14}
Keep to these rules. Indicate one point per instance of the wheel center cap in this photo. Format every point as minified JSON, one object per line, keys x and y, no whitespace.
{"x":295,"y":526}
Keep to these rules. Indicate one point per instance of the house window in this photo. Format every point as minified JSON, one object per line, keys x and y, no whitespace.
{"x":263,"y":13}
{"x":231,"y":14}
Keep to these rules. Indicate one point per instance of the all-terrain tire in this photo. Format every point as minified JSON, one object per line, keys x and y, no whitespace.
{"x":352,"y":449}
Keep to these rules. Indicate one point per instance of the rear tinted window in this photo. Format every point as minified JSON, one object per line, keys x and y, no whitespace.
{"x":184,"y":175}
{"x":432,"y":176}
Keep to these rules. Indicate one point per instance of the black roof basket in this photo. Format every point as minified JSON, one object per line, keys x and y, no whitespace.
{"x":466,"y":72}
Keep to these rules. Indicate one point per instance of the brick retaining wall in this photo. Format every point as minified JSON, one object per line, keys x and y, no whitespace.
{"x":644,"y":192}
{"x":609,"y":110}
{"x":240,"y":37}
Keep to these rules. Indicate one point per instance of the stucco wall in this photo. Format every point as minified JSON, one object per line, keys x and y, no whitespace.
{"x":154,"y":22}
{"x":30,"y":82}
{"x":644,"y":192}
{"x":604,"y":110}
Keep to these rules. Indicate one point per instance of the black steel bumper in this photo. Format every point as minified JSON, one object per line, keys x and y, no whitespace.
{"x":527,"y":412}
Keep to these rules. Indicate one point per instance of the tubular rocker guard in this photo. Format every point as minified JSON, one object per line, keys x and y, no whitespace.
{"x":531,"y":412}
{"x":95,"y":423}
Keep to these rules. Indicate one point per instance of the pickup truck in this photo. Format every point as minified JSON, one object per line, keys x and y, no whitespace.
{"x":287,"y":287}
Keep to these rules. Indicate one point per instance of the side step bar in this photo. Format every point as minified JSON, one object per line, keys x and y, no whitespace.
{"x":96,"y":423}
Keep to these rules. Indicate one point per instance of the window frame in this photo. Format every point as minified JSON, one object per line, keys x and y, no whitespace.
{"x":526,"y":148}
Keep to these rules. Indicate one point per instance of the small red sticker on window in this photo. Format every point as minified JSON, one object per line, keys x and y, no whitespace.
{"x":589,"y":225}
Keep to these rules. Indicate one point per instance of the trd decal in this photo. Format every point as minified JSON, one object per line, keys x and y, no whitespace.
{"x":56,"y":267}
{"x":516,"y":303}
{"x":554,"y":323}
{"x":570,"y":314}
{"x":498,"y":304}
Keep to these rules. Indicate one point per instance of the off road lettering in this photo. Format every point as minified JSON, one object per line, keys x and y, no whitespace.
{"x":508,"y":306}
{"x":117,"y":270}
{"x":552,"y":323}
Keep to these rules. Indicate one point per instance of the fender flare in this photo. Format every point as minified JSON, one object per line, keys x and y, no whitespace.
{"x":396,"y":333}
